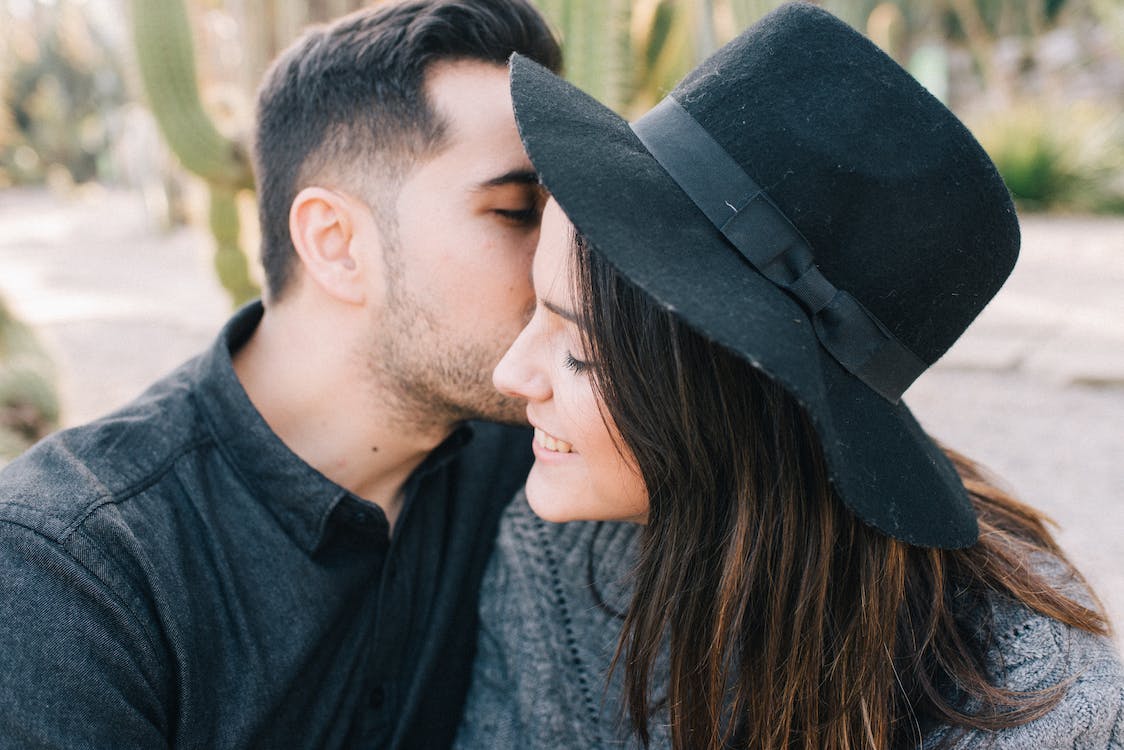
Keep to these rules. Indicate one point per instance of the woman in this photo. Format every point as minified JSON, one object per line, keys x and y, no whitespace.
{"x":755,"y":272}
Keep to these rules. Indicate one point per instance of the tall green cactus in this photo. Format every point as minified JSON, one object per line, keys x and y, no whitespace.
{"x":629,"y":54}
{"x":596,"y":37}
{"x":230,"y":261}
{"x":166,"y":57}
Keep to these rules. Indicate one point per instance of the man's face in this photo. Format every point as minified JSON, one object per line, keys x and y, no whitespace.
{"x":458,"y":264}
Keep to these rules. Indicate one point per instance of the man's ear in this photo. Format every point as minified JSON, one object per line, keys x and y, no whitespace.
{"x":323,"y":223}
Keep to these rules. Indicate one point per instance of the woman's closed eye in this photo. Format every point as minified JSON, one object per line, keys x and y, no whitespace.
{"x":577,"y":365}
{"x":529,"y":215}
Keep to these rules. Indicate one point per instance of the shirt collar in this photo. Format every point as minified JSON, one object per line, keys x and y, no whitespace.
{"x":300,"y":497}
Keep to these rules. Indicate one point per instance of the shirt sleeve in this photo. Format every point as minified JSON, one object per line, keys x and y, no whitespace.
{"x":78,"y":668}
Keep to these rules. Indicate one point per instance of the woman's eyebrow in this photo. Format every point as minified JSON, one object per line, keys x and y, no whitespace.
{"x":559,"y":311}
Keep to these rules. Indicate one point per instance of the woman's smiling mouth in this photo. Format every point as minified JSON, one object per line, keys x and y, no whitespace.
{"x":549,"y":442}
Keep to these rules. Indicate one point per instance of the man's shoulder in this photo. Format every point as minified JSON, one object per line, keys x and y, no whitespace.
{"x":52,"y":487}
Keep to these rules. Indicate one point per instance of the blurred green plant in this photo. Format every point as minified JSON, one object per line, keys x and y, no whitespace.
{"x":60,"y":83}
{"x":596,"y":38}
{"x":629,"y":54}
{"x":1053,"y":158}
{"x":29,"y":407}
{"x":166,"y":58}
{"x":1031,"y":157}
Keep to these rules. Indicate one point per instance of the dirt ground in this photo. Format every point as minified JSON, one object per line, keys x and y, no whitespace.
{"x":1035,"y":389}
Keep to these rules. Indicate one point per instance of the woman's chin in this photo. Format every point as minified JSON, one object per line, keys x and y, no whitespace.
{"x":551,"y":501}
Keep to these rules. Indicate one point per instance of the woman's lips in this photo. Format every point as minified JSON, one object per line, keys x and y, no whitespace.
{"x":550,"y":443}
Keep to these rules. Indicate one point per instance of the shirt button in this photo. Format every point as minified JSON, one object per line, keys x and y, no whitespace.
{"x":376,"y":698}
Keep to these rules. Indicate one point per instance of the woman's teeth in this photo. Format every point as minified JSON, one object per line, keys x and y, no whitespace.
{"x":551,"y":443}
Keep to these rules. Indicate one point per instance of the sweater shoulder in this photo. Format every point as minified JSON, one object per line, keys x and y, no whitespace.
{"x":1035,"y":652}
{"x":1090,"y":716}
{"x":1031,"y":652}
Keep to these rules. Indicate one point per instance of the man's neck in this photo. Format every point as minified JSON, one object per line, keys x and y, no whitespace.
{"x":314,"y":392}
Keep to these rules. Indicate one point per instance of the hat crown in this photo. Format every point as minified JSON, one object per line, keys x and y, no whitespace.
{"x":901,"y":206}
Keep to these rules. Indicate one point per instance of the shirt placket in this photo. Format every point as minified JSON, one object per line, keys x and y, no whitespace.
{"x":406,"y":589}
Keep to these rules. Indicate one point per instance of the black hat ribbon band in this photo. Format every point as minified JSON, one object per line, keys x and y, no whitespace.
{"x":753,"y":224}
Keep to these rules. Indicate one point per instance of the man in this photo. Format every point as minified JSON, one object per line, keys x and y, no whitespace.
{"x":280,"y":544}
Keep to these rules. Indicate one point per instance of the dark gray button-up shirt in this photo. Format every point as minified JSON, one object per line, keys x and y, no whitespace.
{"x":172,"y":575}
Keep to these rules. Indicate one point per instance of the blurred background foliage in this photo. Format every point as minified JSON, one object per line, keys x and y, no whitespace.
{"x":61,"y":86}
{"x":29,"y":405}
{"x":157,"y":96}
{"x":87,"y":85}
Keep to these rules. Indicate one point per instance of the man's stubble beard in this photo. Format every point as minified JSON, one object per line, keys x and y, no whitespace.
{"x":433,"y":379}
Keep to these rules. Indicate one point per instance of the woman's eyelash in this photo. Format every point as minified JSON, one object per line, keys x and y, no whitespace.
{"x":523,"y":216}
{"x":576,"y":364}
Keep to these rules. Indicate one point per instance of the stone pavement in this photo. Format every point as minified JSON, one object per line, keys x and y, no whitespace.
{"x":1034,"y":390}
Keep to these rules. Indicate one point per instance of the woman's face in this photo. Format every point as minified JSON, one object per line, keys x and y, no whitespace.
{"x":579,"y":472}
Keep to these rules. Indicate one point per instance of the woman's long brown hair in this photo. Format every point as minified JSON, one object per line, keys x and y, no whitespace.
{"x":792,"y":624}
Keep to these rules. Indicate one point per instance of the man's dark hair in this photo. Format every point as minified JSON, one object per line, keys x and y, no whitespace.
{"x":347,"y":100}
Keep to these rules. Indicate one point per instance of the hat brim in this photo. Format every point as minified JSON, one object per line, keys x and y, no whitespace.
{"x":885,"y":468}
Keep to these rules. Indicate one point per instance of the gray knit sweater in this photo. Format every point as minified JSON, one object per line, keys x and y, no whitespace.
{"x":546,"y":640}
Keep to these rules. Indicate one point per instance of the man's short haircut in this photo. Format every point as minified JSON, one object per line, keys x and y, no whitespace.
{"x":346,"y":102}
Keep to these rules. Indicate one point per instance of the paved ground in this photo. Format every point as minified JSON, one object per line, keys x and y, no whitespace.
{"x":1035,"y":389}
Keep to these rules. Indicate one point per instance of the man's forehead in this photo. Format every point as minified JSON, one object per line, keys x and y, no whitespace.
{"x":480,"y":141}
{"x":466,"y":93}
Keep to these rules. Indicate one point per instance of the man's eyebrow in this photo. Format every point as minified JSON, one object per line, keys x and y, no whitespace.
{"x":514,"y":177}
{"x":560,"y":311}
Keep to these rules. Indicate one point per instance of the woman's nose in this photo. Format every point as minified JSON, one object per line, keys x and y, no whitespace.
{"x":522,"y":373}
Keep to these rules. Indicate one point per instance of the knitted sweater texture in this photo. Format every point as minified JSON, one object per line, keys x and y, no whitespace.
{"x":547,"y":638}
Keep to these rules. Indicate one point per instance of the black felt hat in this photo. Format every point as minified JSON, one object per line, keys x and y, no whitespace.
{"x":803,"y":201}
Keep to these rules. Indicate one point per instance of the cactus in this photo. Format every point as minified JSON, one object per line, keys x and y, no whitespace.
{"x":597,"y":40}
{"x":166,"y":57}
{"x":29,"y":406}
{"x":230,"y":261}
